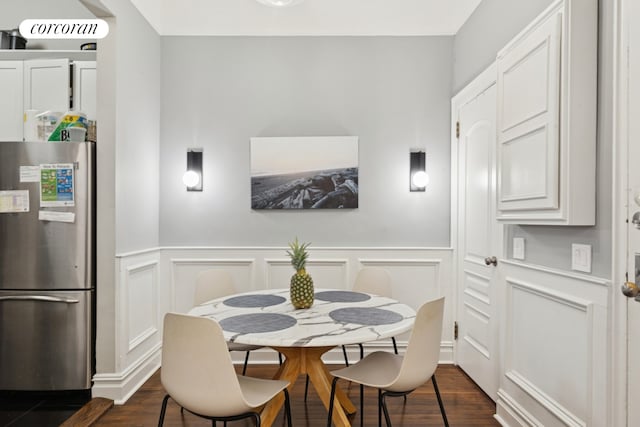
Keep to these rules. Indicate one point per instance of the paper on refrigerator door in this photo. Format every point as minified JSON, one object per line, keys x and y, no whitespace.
{"x":56,"y":216}
{"x":29,"y":173}
{"x":14,"y":201}
{"x":57,"y":185}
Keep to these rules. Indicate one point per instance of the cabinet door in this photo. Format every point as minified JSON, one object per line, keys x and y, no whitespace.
{"x":11,"y":109}
{"x":547,"y":99}
{"x":528,"y":120}
{"x":46,"y":85}
{"x":84,"y":88}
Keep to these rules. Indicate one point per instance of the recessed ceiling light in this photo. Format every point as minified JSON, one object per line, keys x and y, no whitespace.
{"x":279,"y":3}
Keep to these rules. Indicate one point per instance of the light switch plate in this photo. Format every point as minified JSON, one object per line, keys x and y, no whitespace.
{"x":581,"y":257}
{"x":518,"y":248}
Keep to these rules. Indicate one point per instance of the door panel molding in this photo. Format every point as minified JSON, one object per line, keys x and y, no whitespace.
{"x":479,"y":286}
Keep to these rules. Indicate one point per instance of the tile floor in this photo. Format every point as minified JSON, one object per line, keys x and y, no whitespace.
{"x":34,"y":409}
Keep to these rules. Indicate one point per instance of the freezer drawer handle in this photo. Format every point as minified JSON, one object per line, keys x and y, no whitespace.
{"x":39,"y":298}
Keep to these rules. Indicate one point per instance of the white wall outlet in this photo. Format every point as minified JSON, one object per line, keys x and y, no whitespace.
{"x":518,"y":248}
{"x":581,"y":257}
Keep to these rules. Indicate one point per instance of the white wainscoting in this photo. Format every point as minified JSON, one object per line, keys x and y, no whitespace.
{"x":138,"y":324}
{"x":158,"y":280}
{"x":418,"y":275}
{"x":554,"y":339}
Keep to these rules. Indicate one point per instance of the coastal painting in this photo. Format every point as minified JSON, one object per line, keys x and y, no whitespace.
{"x":304,"y":172}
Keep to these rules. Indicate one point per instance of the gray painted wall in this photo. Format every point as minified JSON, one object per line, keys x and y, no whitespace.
{"x":137,"y":143}
{"x":392,"y":92}
{"x":490,"y":27}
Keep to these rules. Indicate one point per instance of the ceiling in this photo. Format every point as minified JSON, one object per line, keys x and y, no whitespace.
{"x":309,"y":18}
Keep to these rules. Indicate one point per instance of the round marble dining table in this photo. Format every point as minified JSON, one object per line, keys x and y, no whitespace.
{"x":337,"y":317}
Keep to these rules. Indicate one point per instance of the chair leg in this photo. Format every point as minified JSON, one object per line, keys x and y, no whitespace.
{"x":163,"y":410}
{"x":361,"y":351}
{"x":287,"y":407}
{"x":246,"y":361}
{"x":306,"y":388}
{"x":361,"y":405}
{"x":383,"y":403}
{"x":435,"y":387}
{"x":256,"y":417}
{"x":379,"y":408}
{"x":331,"y":398}
{"x":346,"y":359}
{"x":280,"y":358}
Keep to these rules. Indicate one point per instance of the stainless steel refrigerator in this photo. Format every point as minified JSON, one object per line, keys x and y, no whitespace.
{"x":47,"y":279}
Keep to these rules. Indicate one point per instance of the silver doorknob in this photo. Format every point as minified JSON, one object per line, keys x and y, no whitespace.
{"x":491,"y":260}
{"x":630,"y":290}
{"x":636,"y":220}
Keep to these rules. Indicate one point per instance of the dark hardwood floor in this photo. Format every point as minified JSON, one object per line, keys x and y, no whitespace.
{"x":465,"y":403}
{"x":41,"y":409}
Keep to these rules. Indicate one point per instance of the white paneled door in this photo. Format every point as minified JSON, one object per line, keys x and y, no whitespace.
{"x":632,"y":16}
{"x":478,"y":239}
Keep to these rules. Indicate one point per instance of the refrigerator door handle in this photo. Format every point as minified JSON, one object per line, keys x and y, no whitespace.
{"x":44,"y":298}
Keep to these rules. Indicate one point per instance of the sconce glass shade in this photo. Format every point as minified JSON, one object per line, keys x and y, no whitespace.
{"x":192,"y":178}
{"x":418,"y":178}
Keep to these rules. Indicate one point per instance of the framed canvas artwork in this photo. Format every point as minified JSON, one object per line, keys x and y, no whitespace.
{"x":304,"y":172}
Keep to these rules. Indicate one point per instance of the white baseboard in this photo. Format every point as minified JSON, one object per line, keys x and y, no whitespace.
{"x":119,"y":387}
{"x":511,"y":414}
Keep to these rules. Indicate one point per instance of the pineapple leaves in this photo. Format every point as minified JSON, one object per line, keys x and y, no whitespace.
{"x":298,"y":254}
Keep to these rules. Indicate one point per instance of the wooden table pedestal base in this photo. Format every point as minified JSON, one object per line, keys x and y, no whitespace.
{"x":307,"y":360}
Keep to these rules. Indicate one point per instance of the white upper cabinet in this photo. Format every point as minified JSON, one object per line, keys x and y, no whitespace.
{"x":547,"y":118}
{"x":11,"y":105}
{"x":46,"y":85}
{"x":84,"y":88}
{"x":43,"y":84}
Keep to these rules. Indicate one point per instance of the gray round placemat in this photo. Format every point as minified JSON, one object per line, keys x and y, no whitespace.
{"x":254,"y":323}
{"x":342,"y":296}
{"x":252,"y":301}
{"x":369,"y":316}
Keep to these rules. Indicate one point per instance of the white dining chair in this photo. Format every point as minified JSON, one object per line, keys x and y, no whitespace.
{"x":198,"y":374}
{"x":217,"y":283}
{"x":369,"y":280}
{"x":396,"y":375}
{"x":377,"y":281}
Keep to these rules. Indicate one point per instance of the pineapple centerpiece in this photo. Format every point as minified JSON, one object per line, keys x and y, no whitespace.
{"x":301,"y":283}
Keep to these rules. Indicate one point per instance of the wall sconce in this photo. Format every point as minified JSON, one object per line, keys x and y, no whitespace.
{"x":418,"y":178}
{"x":192,"y":178}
